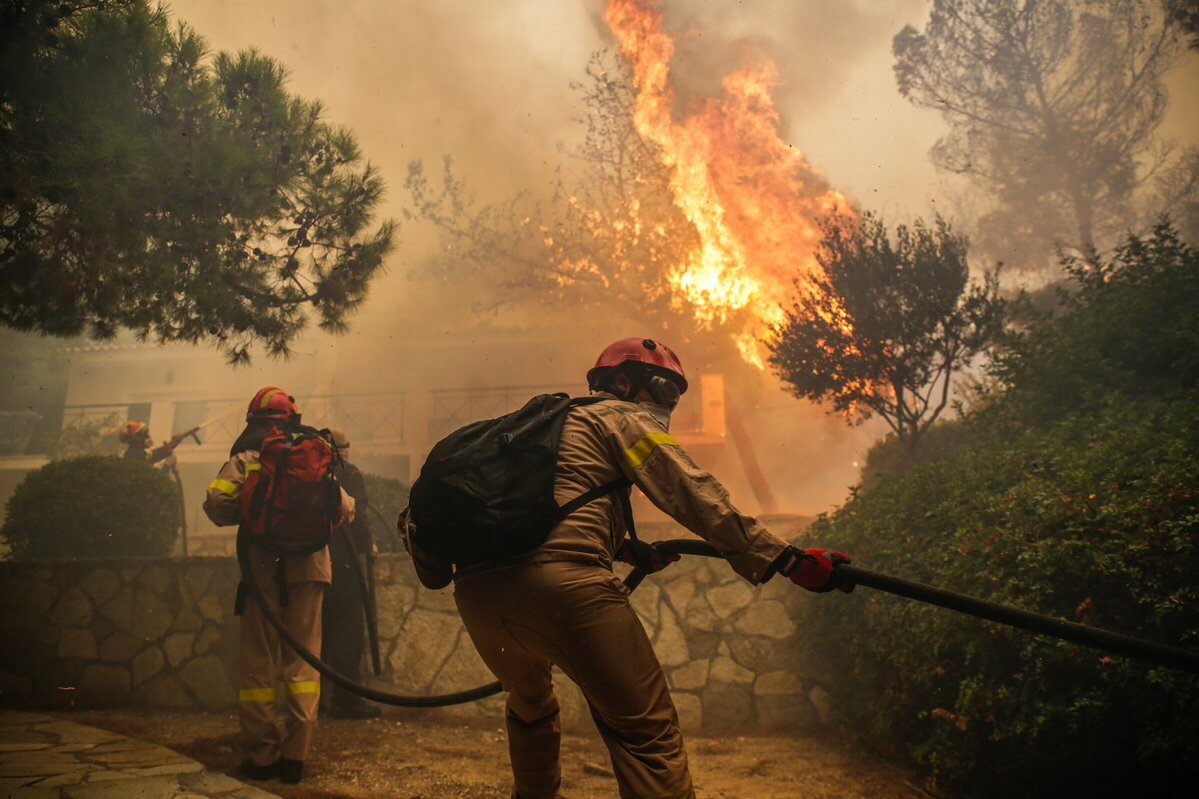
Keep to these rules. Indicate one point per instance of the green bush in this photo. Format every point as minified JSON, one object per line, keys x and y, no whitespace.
{"x":388,"y":497}
{"x":1074,"y":492}
{"x":1131,"y":329}
{"x":92,"y":507}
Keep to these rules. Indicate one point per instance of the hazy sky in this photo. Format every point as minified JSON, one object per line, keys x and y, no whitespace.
{"x":490,"y":83}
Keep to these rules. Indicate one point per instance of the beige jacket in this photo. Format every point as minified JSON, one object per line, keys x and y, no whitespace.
{"x":608,"y":440}
{"x":222,"y":504}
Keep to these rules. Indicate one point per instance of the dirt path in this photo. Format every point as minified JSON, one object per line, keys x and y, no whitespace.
{"x":410,"y":756}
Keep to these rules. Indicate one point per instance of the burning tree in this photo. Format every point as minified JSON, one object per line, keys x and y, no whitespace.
{"x":143,"y":185}
{"x":609,"y":232}
{"x":1053,"y":107}
{"x":699,"y":215}
{"x":885,"y":325}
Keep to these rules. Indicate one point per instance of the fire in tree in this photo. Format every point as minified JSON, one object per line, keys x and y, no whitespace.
{"x":704,"y":214}
{"x":753,"y":199}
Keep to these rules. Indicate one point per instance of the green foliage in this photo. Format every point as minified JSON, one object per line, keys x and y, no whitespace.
{"x":889,"y":457}
{"x":145,"y":185}
{"x":1130,"y":327}
{"x":888,"y":323}
{"x":1186,"y":14}
{"x":92,"y":507}
{"x":388,"y":497}
{"x":1072,"y":492}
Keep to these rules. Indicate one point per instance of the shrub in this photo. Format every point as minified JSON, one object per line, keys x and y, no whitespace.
{"x":1130,"y":328}
{"x":1074,"y":492}
{"x":90,"y":507}
{"x":1097,"y":520}
{"x":388,"y":497}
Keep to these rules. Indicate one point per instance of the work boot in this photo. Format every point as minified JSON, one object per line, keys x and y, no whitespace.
{"x":252,"y":771}
{"x":358,"y":711}
{"x":289,"y":771}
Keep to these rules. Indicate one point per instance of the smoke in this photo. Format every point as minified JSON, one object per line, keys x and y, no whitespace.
{"x":489,"y":83}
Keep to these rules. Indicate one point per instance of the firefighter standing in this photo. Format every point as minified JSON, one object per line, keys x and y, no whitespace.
{"x":140,"y":447}
{"x":343,"y":613}
{"x":560,"y":605}
{"x":264,"y":659}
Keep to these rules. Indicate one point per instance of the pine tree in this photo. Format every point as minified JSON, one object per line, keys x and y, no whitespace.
{"x":145,"y":184}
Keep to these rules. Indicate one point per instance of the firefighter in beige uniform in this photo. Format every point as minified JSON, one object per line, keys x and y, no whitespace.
{"x":561,"y":605}
{"x":264,"y":658}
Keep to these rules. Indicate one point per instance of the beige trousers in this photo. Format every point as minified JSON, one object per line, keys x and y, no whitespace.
{"x":525,"y":618}
{"x":265,"y":660}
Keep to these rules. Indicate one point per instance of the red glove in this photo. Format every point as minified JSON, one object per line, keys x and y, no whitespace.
{"x":815,"y":569}
{"x":657,"y":561}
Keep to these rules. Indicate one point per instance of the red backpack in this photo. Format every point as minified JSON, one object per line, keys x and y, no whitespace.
{"x":291,"y":500}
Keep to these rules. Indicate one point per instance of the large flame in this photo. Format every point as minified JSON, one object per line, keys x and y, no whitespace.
{"x":752,"y":197}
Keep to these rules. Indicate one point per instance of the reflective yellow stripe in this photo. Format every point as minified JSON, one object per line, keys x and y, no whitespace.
{"x":265,"y":402}
{"x":226,"y":487}
{"x":304,"y":687}
{"x":637,"y":453}
{"x":253,"y":467}
{"x":256,"y":695}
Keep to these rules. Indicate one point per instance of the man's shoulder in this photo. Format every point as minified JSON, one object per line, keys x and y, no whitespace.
{"x":606,"y":406}
{"x":616,"y":414}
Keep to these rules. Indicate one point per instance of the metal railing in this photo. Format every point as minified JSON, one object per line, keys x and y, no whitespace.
{"x":368,"y":419}
{"x":452,"y":408}
{"x":372,"y":419}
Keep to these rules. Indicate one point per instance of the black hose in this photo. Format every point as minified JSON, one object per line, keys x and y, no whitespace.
{"x":1138,"y":648}
{"x":369,"y":611}
{"x":337,"y":678}
{"x":1126,"y":645}
{"x":1047,"y":625}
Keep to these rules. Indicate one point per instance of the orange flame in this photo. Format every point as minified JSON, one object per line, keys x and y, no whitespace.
{"x":752,"y":197}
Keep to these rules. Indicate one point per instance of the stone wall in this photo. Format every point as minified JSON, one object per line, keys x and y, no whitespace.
{"x":160,"y":632}
{"x":151,"y":631}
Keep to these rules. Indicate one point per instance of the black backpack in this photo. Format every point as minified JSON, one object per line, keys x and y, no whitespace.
{"x":486,"y":491}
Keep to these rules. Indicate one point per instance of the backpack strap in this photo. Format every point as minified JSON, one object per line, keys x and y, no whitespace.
{"x":591,"y":495}
{"x":642,"y":553}
{"x":621,"y":487}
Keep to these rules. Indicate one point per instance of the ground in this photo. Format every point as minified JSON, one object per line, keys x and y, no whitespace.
{"x":411,"y":756}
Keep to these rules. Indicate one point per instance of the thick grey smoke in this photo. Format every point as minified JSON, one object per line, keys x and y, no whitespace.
{"x":489,"y":83}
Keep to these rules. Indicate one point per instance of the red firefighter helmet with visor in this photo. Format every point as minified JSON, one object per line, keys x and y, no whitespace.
{"x":272,"y":402}
{"x":659,"y":360}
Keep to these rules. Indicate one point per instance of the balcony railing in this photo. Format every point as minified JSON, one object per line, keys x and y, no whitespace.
{"x":450,"y":409}
{"x":368,"y":419}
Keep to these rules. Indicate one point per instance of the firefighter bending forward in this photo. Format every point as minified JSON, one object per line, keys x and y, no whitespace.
{"x":561,"y":605}
{"x":265,"y":660}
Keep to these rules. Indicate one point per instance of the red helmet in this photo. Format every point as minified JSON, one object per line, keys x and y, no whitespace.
{"x":130,"y":431}
{"x":658,"y":357}
{"x":272,"y":402}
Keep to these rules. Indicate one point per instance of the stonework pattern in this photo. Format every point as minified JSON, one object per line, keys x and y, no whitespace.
{"x":161,"y":632}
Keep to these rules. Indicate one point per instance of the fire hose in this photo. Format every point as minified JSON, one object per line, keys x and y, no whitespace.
{"x":1128,"y":646}
{"x":364,"y":580}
